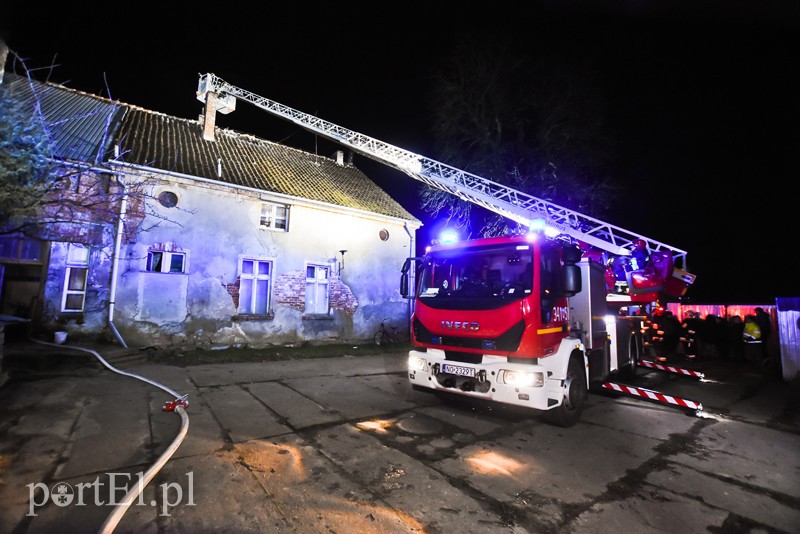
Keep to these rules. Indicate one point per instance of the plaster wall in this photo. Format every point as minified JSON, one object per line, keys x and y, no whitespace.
{"x":215,"y":227}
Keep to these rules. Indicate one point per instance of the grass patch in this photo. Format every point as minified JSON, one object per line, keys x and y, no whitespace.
{"x":271,"y":354}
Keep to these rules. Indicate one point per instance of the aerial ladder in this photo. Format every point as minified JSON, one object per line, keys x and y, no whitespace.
{"x":513,"y":204}
{"x":518,"y":206}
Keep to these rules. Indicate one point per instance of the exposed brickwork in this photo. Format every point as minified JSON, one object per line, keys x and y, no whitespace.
{"x":341,"y":297}
{"x":233,"y":291}
{"x":290,"y":290}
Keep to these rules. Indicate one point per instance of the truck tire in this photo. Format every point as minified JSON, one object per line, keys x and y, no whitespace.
{"x":634,"y":356}
{"x":575,"y":393}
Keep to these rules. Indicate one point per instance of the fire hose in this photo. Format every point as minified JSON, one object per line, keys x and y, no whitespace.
{"x":178,"y":405}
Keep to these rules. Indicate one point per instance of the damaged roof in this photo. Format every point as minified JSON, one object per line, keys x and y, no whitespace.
{"x":156,"y":140}
{"x":81,"y":126}
{"x":85,"y":127}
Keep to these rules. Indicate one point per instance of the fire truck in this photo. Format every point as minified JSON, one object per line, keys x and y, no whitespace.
{"x":526,"y":320}
{"x":532,"y":320}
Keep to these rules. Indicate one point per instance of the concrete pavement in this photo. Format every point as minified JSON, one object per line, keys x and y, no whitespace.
{"x":300,"y":446}
{"x":67,"y":418}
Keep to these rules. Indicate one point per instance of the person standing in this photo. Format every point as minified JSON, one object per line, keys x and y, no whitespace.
{"x":751,"y":335}
{"x":689,"y":329}
{"x":708,"y":337}
{"x":735,"y":330}
{"x":670,"y":333}
{"x":764,"y":323}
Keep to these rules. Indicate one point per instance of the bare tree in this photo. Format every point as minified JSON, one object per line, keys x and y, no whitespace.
{"x":532,"y":122}
{"x":47,"y":194}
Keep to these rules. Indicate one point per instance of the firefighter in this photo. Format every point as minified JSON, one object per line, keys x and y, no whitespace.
{"x":671,"y":333}
{"x":751,"y":336}
{"x":689,"y":328}
{"x":735,"y":332}
{"x":764,"y":322}
{"x":652,"y":335}
{"x":640,"y":254}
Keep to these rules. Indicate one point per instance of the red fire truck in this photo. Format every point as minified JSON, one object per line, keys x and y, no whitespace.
{"x":524,"y":320}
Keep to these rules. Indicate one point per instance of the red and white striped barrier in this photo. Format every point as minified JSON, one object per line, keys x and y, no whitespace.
{"x":671,"y":369}
{"x":653,"y":395}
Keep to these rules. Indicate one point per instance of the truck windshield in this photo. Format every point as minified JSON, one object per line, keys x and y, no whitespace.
{"x":499,"y":272}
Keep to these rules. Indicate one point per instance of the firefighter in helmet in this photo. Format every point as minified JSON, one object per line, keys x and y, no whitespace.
{"x":640,"y":254}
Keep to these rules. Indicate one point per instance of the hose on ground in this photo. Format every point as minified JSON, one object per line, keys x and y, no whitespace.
{"x":178,"y":405}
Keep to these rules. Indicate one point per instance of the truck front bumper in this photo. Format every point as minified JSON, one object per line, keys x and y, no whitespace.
{"x":493,"y":379}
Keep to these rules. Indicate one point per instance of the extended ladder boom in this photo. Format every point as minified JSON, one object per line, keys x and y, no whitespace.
{"x":498,"y":198}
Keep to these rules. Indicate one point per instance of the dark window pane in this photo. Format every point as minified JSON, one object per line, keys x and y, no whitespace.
{"x":176,"y":263}
{"x":77,"y":279}
{"x":74,"y":302}
{"x":154,"y":261}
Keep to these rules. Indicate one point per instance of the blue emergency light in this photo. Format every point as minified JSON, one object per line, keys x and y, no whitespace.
{"x":448,"y":237}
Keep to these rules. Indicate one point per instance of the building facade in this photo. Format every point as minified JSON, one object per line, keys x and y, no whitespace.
{"x":203,"y":240}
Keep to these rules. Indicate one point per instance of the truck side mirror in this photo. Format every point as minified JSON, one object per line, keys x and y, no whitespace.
{"x":571,"y":280}
{"x":405,"y":291}
{"x":571,"y":255}
{"x":571,"y":273}
{"x":404,"y":285}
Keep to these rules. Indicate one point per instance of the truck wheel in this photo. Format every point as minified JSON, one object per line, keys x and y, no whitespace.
{"x":575,"y":392}
{"x":633,"y":358}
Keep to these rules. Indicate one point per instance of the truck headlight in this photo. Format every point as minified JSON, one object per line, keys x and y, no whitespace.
{"x":415,"y":363}
{"x":523,"y":379}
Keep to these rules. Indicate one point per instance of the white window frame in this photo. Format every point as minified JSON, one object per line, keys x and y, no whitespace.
{"x":251,"y":307}
{"x":314,"y":284}
{"x":77,"y":260}
{"x":166,"y":261}
{"x":270,"y":218}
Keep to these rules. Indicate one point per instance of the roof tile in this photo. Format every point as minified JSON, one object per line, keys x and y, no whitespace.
{"x":177,"y":145}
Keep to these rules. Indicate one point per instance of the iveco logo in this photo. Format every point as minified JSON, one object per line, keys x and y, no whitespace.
{"x":461,"y":325}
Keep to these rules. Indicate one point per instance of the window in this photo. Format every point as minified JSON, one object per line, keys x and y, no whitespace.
{"x":317,"y":289}
{"x":77,"y":270}
{"x":17,"y":248}
{"x":168,"y":199}
{"x":550,"y":281}
{"x":275,"y":217}
{"x":254,"y":286}
{"x":159,"y":261}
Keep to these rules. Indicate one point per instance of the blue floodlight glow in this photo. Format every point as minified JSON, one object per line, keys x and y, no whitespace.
{"x":448,"y":236}
{"x":536,"y":225}
{"x":551,"y":232}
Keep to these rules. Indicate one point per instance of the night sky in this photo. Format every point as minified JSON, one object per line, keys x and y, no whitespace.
{"x":703,"y":101}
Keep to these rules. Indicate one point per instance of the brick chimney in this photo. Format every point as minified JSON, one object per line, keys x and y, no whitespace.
{"x":214,"y":103}
{"x":209,"y":117}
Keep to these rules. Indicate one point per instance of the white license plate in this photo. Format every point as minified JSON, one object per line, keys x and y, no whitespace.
{"x":458,"y":370}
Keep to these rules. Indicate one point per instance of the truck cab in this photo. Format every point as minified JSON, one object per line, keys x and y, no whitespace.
{"x":492,"y":320}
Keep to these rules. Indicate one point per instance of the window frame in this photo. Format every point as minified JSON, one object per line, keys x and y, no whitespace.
{"x":255,"y":276}
{"x":77,"y":259}
{"x":270,"y":221}
{"x":166,"y":261}
{"x":315,"y":282}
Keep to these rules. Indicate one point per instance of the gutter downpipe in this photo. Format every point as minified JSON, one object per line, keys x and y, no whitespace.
{"x":115,"y":262}
{"x":412,"y":279}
